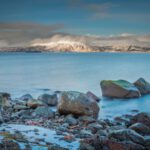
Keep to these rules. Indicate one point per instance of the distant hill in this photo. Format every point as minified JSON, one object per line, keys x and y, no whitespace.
{"x":74,"y":43}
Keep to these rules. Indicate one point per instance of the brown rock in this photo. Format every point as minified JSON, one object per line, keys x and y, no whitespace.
{"x":78,"y":104}
{"x":119,"y":89}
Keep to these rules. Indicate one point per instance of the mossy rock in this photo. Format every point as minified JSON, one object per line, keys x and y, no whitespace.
{"x":119,"y":89}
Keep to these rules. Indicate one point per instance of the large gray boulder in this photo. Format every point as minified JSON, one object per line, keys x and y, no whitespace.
{"x":119,"y":89}
{"x":4,"y":100}
{"x":78,"y":104}
{"x":143,"y":86}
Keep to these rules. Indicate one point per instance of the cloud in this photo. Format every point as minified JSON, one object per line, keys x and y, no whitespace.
{"x":25,"y":34}
{"x":100,"y":10}
{"x":21,"y":33}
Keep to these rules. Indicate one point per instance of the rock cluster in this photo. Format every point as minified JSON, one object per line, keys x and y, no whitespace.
{"x":74,"y":115}
{"x":124,"y":89}
{"x":133,"y":135}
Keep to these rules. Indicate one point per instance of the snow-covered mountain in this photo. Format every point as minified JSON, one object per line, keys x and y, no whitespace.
{"x":75,"y":43}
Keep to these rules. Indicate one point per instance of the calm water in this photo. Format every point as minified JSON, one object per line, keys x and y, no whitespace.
{"x":22,"y":73}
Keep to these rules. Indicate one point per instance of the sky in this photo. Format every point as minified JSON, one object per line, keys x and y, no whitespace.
{"x":39,"y":18}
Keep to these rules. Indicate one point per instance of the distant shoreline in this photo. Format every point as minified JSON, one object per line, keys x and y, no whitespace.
{"x":77,"y":49}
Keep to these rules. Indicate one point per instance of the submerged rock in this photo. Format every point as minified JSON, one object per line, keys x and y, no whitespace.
{"x":78,"y":104}
{"x":48,"y":99}
{"x":4,"y":99}
{"x":119,"y":89}
{"x":143,"y":86}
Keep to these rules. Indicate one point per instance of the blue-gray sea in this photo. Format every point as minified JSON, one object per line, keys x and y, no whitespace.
{"x":35,"y":73}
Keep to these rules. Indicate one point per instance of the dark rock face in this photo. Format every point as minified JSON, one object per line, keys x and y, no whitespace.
{"x":141,"y":118}
{"x":78,"y":104}
{"x":119,"y":89}
{"x":48,"y":99}
{"x":4,"y":99}
{"x":143,"y":86}
{"x":140,"y":128}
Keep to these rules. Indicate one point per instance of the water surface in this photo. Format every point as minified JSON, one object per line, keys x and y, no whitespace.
{"x":22,"y":73}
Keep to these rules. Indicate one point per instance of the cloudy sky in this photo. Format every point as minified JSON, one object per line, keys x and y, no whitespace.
{"x":24,"y":20}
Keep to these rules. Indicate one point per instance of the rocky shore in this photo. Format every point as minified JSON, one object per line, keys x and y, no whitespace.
{"x":73,"y":118}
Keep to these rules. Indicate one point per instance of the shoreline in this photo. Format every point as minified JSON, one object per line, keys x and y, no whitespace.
{"x":69,"y":131}
{"x":75,"y":52}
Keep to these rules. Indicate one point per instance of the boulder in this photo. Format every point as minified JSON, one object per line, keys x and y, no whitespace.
{"x":141,"y":118}
{"x":143,"y":86}
{"x":44,"y":111}
{"x":93,"y":96}
{"x":78,"y":104}
{"x":127,"y":135}
{"x":48,"y":99}
{"x":34,"y":103}
{"x":140,"y":128}
{"x":119,"y":89}
{"x":4,"y":100}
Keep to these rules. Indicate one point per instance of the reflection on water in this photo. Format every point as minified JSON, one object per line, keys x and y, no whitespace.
{"x":29,"y":72}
